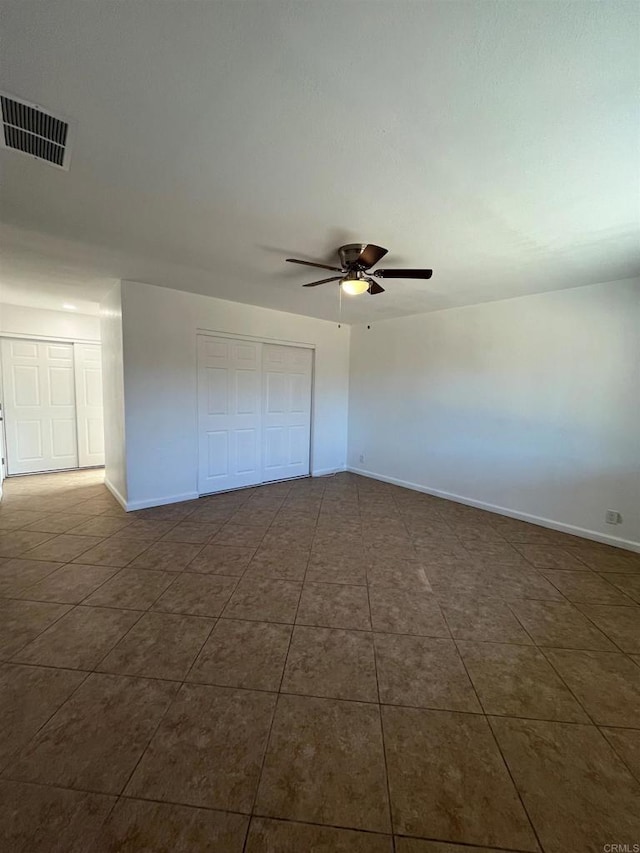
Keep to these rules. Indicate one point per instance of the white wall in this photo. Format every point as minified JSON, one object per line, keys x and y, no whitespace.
{"x":47,"y":324}
{"x":530,"y":404}
{"x":159,"y":330}
{"x":113,"y":394}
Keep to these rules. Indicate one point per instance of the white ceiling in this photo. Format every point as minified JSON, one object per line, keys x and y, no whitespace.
{"x":494,"y":142}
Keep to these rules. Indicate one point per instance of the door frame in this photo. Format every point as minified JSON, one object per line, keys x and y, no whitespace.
{"x":261,"y":340}
{"x":22,"y":336}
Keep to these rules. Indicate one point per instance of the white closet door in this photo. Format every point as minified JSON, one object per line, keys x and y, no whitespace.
{"x":88,"y":377}
{"x":40,"y":411}
{"x":286,"y":411}
{"x":229,"y":413}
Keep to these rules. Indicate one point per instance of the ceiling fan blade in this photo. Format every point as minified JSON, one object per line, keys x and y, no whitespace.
{"x":374,"y":287}
{"x":322,"y":281}
{"x":370,"y":255}
{"x":310,"y":264}
{"x":403,"y":273}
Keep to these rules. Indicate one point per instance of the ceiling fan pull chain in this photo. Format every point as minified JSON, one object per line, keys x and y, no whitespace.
{"x":339,"y":307}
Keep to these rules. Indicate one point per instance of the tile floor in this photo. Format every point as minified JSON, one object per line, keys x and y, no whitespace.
{"x":321,"y":665}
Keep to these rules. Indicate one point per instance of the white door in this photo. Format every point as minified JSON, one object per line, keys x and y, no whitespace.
{"x":40,"y":410}
{"x":90,"y":426}
{"x":229,"y":414}
{"x":286,"y":411}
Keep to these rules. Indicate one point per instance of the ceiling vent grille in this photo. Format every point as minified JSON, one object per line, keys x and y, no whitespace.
{"x":32,"y":130}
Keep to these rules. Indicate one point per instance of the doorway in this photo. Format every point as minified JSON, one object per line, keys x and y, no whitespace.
{"x":254,"y":412}
{"x":52,"y":394}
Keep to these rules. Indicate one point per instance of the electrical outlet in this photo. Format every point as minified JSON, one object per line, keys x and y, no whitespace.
{"x":612,"y":517}
{"x":362,"y":457}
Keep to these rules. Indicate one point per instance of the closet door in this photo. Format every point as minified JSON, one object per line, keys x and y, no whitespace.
{"x":286,"y":411}
{"x":229,"y":413}
{"x":88,"y":378}
{"x":40,"y":407}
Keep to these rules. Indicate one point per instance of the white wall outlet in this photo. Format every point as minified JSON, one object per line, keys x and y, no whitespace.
{"x":612,"y":517}
{"x":362,"y":457}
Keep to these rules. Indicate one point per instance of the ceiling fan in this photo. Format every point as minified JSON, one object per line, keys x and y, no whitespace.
{"x":356,"y":260}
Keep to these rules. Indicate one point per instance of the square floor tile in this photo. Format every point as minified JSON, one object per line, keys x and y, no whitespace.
{"x":29,"y":695}
{"x":333,"y":605}
{"x":166,"y":556}
{"x":620,"y":624}
{"x":559,"y":624}
{"x":576,"y":790}
{"x":268,"y":836}
{"x":15,"y":543}
{"x":518,"y":681}
{"x":347,"y":569}
{"x":603,"y":559}
{"x":22,"y":621}
{"x":606,"y":684}
{"x":586,"y":587}
{"x":628,"y":583}
{"x":114,"y":552}
{"x":17,"y":574}
{"x":626,"y":742}
{"x":488,"y":619}
{"x":69,"y":584}
{"x":199,"y":595}
{"x":243,"y":654}
{"x":40,"y":819}
{"x":63,"y":548}
{"x":148,"y":530}
{"x":325,"y":764}
{"x":406,"y":611}
{"x":137,"y":825}
{"x":208,"y":749}
{"x":80,"y":639}
{"x":18,"y":518}
{"x":550,"y":557}
{"x":244,"y":535}
{"x":276,"y":563}
{"x":189,"y":531}
{"x":424,"y":672}
{"x":159,"y":645}
{"x":447,"y":779}
{"x":222,"y":560}
{"x":134,"y":589}
{"x":398,"y":575}
{"x":331,"y":662}
{"x":59,"y":522}
{"x":418,"y":845}
{"x":100,"y":525}
{"x":96,"y":738}
{"x":264,"y":600}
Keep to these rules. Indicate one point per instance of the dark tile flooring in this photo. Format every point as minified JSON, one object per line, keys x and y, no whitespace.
{"x":322,"y":665}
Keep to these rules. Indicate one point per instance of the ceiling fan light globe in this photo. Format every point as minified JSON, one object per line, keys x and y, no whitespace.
{"x":354,"y":286}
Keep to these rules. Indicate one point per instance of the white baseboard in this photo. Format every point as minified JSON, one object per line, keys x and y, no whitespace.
{"x":130,"y":506}
{"x":594,"y":535}
{"x":171,"y":499}
{"x":325,"y":472}
{"x":115,"y":493}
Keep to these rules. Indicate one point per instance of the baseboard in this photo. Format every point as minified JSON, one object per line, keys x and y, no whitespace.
{"x":171,"y":499}
{"x":115,"y":493}
{"x":326,"y":472}
{"x":594,"y":535}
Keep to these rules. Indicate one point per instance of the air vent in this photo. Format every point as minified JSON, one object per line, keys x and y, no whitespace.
{"x":32,"y":130}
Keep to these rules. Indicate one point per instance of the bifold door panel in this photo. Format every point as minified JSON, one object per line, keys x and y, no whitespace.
{"x":286,"y":411}
{"x":254,"y":412}
{"x":88,"y":378}
{"x":229,"y":401}
{"x":52,"y":405}
{"x":40,"y":406}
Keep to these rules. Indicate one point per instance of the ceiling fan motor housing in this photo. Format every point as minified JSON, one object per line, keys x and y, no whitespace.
{"x":349,"y":255}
